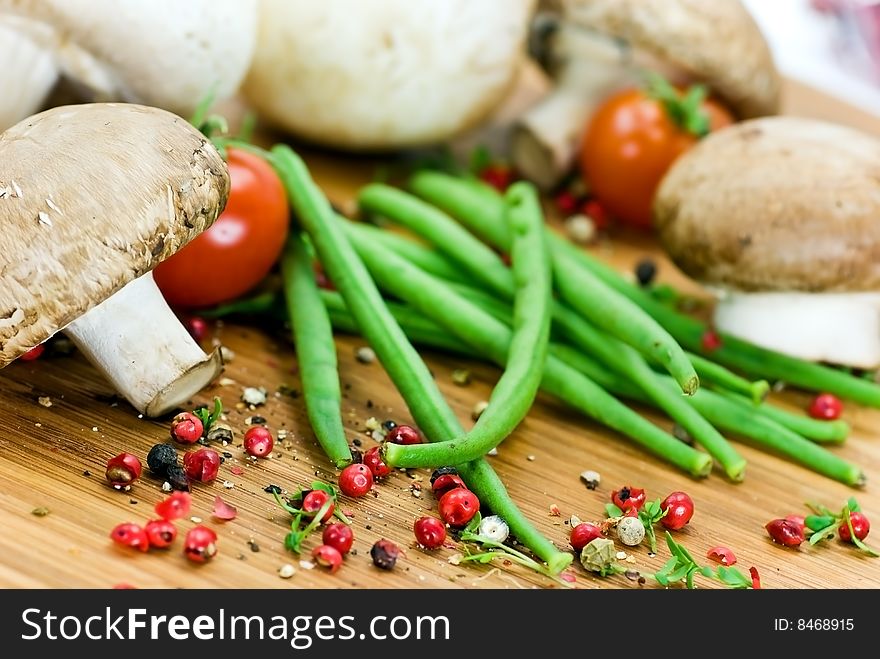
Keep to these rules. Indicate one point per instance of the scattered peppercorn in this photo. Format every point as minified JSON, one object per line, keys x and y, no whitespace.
{"x":177,"y":478}
{"x":328,"y":557}
{"x":430,"y":532}
{"x":258,"y":441}
{"x":646,"y":271}
{"x":785,"y":533}
{"x":356,"y":480}
{"x":627,"y":498}
{"x":186,"y":428}
{"x":202,"y":465}
{"x":827,"y":407}
{"x":405,"y":435}
{"x":123,"y":470}
{"x":388,"y":425}
{"x":160,"y":458}
{"x":130,"y":535}
{"x":384,"y":554}
{"x":160,"y":533}
{"x":339,"y":536}
{"x":200,"y":544}
{"x":631,"y":531}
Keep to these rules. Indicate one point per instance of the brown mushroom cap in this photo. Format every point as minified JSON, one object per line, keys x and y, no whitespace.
{"x":713,"y":41}
{"x":776,"y":204}
{"x":92,"y":197}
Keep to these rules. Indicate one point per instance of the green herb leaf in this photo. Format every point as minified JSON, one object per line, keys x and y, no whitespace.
{"x":324,"y":487}
{"x":824,"y":534}
{"x":853,"y":505}
{"x":208,"y":418}
{"x":612,"y":511}
{"x":474,"y":525}
{"x":818,"y":522}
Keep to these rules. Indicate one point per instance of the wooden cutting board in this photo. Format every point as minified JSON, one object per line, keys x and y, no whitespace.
{"x":59,"y":423}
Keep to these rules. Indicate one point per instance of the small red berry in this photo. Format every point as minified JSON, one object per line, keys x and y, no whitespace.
{"x":202,"y":465}
{"x":827,"y":407}
{"x":200,"y":544}
{"x":384,"y":554}
{"x":314,"y":501}
{"x":583,"y":534}
{"x":860,"y":524}
{"x":596,"y":212}
{"x":175,"y":506}
{"x":197,"y":328}
{"x":356,"y":480}
{"x":328,"y":557}
{"x":373,"y":460}
{"x":797,"y":519}
{"x":186,"y":428}
{"x":123,"y":470}
{"x":499,"y":176}
{"x":627,"y":498}
{"x":566,"y":202}
{"x":721,"y":554}
{"x":445,"y":479}
{"x":710,"y":341}
{"x":403,"y":435}
{"x":457,"y":507}
{"x":338,"y":536}
{"x":679,"y":509}
{"x":785,"y":533}
{"x":34,"y":353}
{"x":130,"y":535}
{"x":258,"y":441}
{"x":430,"y":532}
{"x":161,"y":533}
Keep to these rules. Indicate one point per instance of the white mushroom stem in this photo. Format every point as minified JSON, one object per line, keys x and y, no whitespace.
{"x":140,"y":346}
{"x":29,"y":70}
{"x":840,"y":328}
{"x":545,"y":140}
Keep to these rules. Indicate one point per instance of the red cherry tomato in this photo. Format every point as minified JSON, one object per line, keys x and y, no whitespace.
{"x":239,"y":249}
{"x":630,"y":143}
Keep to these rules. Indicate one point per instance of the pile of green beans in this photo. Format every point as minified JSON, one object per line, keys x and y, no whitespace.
{"x":601,"y":340}
{"x":400,"y":360}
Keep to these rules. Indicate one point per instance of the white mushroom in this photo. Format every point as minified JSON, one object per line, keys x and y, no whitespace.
{"x":93,"y":197}
{"x":781,"y":216}
{"x":164,"y":53}
{"x":603,"y":45}
{"x":387,"y":73}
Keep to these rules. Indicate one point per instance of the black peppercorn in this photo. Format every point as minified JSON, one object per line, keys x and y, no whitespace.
{"x":646,"y":270}
{"x":161,"y":458}
{"x":176,"y":476}
{"x":388,"y":425}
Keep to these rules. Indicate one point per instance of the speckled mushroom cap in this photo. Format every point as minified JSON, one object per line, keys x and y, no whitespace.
{"x":92,"y":197}
{"x":713,"y":41}
{"x":776,"y":204}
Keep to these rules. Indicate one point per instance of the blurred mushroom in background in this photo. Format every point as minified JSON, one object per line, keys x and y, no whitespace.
{"x":162,"y":53}
{"x":385,"y":74}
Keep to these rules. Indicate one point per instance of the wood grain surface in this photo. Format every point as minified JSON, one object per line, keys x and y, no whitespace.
{"x":59,"y":423}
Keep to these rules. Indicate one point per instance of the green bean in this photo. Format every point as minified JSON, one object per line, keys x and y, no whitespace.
{"x":481,"y":213}
{"x":834,"y":432}
{"x":418,"y":329}
{"x":623,"y":359}
{"x":718,"y":376}
{"x":424,"y":257}
{"x":723,"y":413}
{"x":403,"y":364}
{"x":315,"y":351}
{"x":264,"y":303}
{"x":442,"y":231}
{"x":491,"y":339}
{"x":590,"y":297}
{"x":515,"y":391}
{"x":769,"y":434}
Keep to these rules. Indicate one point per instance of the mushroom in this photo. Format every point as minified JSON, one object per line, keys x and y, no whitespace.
{"x":600,"y":46}
{"x":163,"y":53}
{"x":780,"y":215}
{"x":384,"y":74}
{"x":92,"y":197}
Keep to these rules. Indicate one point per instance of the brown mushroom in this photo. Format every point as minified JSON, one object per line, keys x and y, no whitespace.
{"x":716,"y":43}
{"x":92,"y":197}
{"x":781,"y":216}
